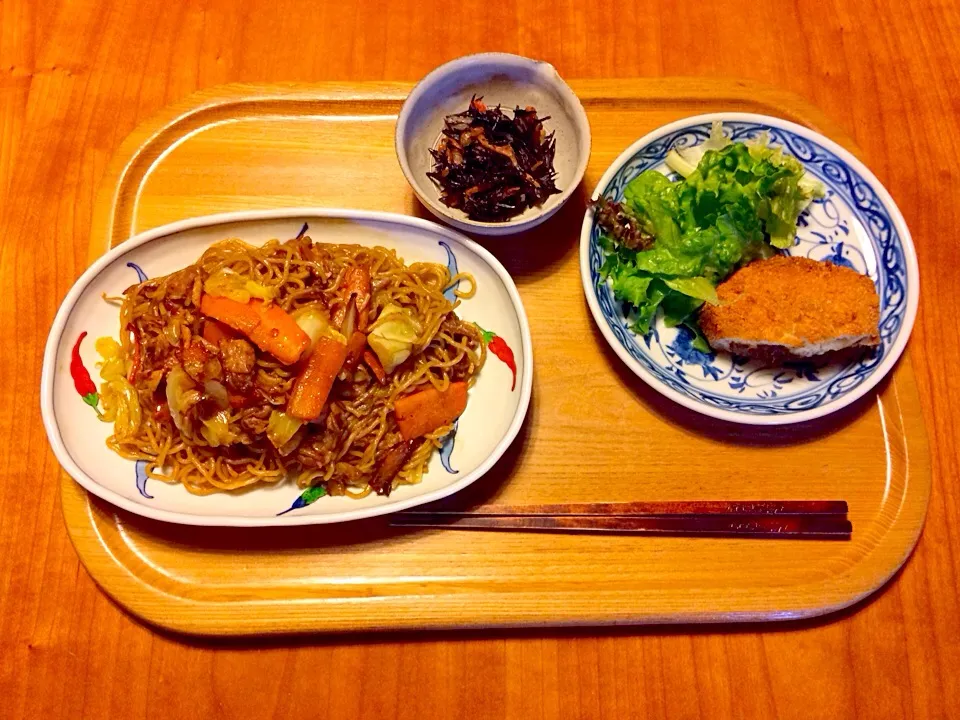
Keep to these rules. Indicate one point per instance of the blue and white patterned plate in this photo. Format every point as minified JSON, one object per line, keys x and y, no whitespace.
{"x":855,"y":224}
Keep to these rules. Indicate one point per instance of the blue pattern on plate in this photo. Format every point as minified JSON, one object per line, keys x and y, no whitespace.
{"x":681,"y":348}
{"x":141,"y":275}
{"x":446,"y":449}
{"x":824,"y":233}
{"x":450,"y":293}
{"x":306,"y":498}
{"x":140,"y":468}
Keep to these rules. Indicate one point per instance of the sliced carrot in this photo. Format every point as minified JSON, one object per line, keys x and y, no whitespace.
{"x":312,"y":386}
{"x":239,"y":316}
{"x":214,"y":332}
{"x":427,"y":410}
{"x":269,"y":327}
{"x":373,"y":362}
{"x":355,"y":347}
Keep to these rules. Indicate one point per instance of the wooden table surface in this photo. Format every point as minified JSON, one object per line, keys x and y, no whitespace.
{"x":76,"y":76}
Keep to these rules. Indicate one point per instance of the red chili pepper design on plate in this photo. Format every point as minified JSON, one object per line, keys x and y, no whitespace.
{"x":498,"y":346}
{"x":81,"y":378}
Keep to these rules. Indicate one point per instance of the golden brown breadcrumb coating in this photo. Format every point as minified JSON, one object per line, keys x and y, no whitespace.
{"x":793,"y":305}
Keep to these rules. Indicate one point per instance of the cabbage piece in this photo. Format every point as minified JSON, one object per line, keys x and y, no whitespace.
{"x":229,"y":284}
{"x":181,"y":396}
{"x":281,"y":428}
{"x":216,"y":430}
{"x":113,"y":365}
{"x":183,"y":393}
{"x":315,"y":322}
{"x":215,"y":390}
{"x":171,"y":331}
{"x":393,"y":336}
{"x":121,"y":406}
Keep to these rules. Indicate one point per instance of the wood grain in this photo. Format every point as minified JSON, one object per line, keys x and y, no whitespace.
{"x":254,"y":146}
{"x":76,"y":76}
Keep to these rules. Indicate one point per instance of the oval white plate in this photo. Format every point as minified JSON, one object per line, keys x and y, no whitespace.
{"x":856,"y":224}
{"x":491,"y":421}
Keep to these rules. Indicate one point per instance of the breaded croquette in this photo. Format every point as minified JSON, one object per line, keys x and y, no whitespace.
{"x":792,"y":307}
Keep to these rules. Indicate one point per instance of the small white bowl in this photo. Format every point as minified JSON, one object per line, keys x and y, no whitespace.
{"x":501,"y":79}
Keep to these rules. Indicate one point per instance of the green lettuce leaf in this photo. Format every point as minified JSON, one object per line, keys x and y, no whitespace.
{"x":739,"y":204}
{"x":646,"y":312}
{"x":699,"y":341}
{"x":631,"y":288}
{"x":678,"y":308}
{"x":698,"y":288}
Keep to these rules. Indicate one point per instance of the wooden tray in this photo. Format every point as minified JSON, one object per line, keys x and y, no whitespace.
{"x":594,"y":431}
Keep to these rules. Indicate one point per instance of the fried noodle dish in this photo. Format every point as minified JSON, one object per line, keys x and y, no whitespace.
{"x":337,"y":365}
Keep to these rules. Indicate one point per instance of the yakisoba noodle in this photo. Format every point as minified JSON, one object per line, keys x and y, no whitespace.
{"x":172,"y":390}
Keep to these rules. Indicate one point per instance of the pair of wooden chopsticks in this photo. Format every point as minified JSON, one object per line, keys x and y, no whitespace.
{"x":754,"y":518}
